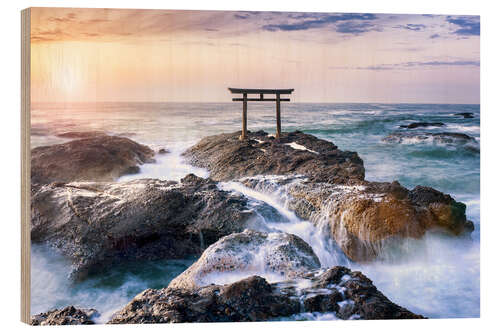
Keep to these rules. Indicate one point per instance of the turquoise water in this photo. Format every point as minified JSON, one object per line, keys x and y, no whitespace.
{"x":440,"y":280}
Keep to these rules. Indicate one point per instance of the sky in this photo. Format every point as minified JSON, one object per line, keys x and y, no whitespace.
{"x":92,"y":55}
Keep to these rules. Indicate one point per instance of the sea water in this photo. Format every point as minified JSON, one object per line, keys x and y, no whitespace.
{"x":437,"y":276}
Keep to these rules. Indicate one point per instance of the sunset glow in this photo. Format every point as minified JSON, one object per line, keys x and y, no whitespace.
{"x":144,"y":55}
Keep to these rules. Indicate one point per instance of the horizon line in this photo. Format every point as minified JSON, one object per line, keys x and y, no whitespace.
{"x":213,"y":102}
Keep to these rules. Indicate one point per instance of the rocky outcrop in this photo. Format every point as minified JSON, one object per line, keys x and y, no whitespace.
{"x":95,"y":158}
{"x":346,"y":294}
{"x":367,"y":218}
{"x":423,"y":124}
{"x":444,"y":138}
{"x":280,"y":254}
{"x":227,"y":157}
{"x":67,"y":316}
{"x":100,"y":224}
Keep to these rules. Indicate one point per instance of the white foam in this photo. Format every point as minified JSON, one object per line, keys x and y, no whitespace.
{"x":170,"y":166}
{"x":472,"y":129}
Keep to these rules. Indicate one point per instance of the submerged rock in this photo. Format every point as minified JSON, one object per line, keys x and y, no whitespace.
{"x":446,"y":138}
{"x":281,"y":254}
{"x":227,"y":157}
{"x":163,"y":151}
{"x":101,"y":224}
{"x":346,"y":294}
{"x":67,"y":316}
{"x":465,"y":114}
{"x":96,"y":158}
{"x":422,"y":124}
{"x":368,"y":218}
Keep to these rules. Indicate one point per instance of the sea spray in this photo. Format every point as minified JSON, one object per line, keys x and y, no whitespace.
{"x":107,"y":292}
{"x":169,"y":166}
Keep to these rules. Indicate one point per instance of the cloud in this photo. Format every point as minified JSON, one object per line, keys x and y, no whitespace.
{"x":355,"y":28}
{"x":412,"y":27}
{"x":468,"y":25}
{"x":305,"y":21}
{"x":414,"y":65}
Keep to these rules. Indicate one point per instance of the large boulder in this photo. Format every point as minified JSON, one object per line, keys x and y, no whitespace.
{"x":339,"y":291}
{"x":94,"y":158}
{"x":99,"y":224}
{"x":368,"y":218}
{"x":67,"y":316}
{"x":249,"y":252}
{"x":227,"y":157}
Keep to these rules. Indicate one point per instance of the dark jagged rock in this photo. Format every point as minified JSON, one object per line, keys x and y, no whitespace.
{"x":465,"y":114}
{"x":96,"y":158}
{"x":422,"y":124}
{"x":67,"y":316}
{"x":227,"y":157}
{"x":100,"y":224}
{"x":250,"y":251}
{"x":340,"y":291}
{"x":367,"y":218}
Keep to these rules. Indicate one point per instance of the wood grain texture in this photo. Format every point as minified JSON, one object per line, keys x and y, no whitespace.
{"x":25,"y":165}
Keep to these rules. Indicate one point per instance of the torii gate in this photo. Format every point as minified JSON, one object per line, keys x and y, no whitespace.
{"x":261,"y":92}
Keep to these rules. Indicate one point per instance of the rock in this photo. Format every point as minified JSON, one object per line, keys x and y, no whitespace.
{"x":163,"y":151}
{"x":368,"y":218}
{"x":251,"y":299}
{"x":98,"y":225}
{"x":361,"y":299}
{"x":248,"y":252}
{"x":227,"y":157}
{"x":446,"y":138}
{"x":81,"y":135}
{"x":100,"y":158}
{"x":465,"y":114}
{"x":67,"y":316}
{"x":422,"y":124}
{"x":338,"y":290}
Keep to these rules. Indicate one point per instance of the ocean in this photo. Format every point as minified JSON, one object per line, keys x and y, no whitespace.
{"x":439,"y":278}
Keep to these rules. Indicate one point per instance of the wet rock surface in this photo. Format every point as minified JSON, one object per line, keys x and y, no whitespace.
{"x":94,"y":158}
{"x":347,"y":294}
{"x":227,"y":157}
{"x":163,"y":151}
{"x":367,"y":218}
{"x":67,"y":316}
{"x":280,"y":254}
{"x":423,"y":124}
{"x":100,"y":224}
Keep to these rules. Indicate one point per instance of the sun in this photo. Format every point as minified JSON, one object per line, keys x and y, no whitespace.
{"x":66,"y":78}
